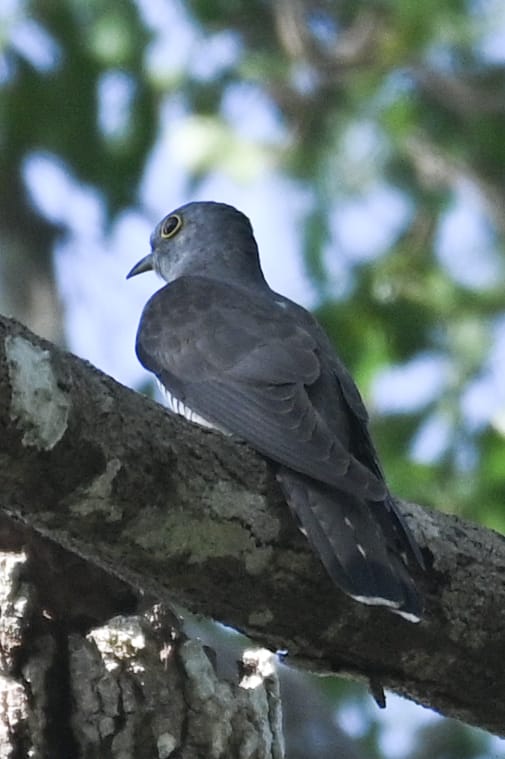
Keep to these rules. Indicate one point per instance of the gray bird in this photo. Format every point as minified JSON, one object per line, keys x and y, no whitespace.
{"x":233,"y":354}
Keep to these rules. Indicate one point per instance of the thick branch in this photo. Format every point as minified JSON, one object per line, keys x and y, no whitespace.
{"x":187,"y":514}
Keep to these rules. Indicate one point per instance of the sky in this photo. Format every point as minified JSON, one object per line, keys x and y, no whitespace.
{"x":90,"y":266}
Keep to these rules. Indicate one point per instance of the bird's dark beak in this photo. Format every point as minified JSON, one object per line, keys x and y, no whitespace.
{"x":145,"y":264}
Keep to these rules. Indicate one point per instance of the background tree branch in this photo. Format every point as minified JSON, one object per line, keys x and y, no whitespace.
{"x":186,"y":514}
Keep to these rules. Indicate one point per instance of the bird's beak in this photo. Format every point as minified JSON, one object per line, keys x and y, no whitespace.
{"x":145,"y":264}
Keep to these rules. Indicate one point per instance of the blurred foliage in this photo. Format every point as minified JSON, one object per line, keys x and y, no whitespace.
{"x":391,"y":95}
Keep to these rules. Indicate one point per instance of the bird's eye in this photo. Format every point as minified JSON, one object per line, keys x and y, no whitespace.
{"x":171,"y":225}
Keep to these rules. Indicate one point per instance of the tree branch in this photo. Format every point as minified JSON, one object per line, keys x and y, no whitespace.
{"x":189,"y":515}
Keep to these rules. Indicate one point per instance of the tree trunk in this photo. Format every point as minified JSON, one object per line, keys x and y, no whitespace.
{"x":132,"y":687}
{"x":187,"y":515}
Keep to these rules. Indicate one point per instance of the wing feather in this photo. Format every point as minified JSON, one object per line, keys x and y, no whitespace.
{"x":243,"y":362}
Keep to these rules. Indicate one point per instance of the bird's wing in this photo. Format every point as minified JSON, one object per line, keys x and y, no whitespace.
{"x":244,"y":362}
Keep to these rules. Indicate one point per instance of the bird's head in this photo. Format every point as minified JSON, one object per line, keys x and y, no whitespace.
{"x":206,"y":239}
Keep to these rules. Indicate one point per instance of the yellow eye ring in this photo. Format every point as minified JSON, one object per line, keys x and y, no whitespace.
{"x":171,"y":226}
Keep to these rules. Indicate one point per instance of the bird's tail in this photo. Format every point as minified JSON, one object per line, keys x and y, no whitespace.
{"x":364,"y":545}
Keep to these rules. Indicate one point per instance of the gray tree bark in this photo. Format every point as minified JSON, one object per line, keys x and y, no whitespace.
{"x":132,"y":687}
{"x":187,"y":515}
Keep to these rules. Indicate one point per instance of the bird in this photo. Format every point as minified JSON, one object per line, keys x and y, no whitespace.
{"x":233,"y":354}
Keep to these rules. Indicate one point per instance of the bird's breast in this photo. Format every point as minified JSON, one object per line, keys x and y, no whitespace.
{"x":177,"y":406}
